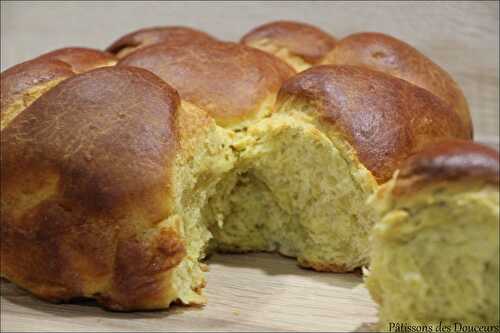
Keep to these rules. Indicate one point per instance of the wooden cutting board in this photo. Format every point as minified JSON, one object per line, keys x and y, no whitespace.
{"x":252,"y":292}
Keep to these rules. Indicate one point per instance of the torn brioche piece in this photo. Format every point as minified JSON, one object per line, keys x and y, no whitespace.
{"x":435,"y":251}
{"x":102,"y":182}
{"x":304,"y":174}
{"x":118,"y":169}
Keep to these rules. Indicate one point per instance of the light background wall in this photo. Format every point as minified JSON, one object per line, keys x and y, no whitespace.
{"x":461,"y":36}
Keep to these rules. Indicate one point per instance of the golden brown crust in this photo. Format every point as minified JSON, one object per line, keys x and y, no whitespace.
{"x":230,"y":81}
{"x":20,"y":78}
{"x":144,"y":37}
{"x":139,"y":268}
{"x":392,"y":56}
{"x":22,"y":84}
{"x":453,"y":160}
{"x":81,"y":59}
{"x":86,"y":179}
{"x":384,"y":118}
{"x":304,"y":40}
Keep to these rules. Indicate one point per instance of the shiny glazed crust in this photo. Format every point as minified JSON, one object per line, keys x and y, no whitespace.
{"x":384,"y":118}
{"x":81,"y":59}
{"x":86,"y":183}
{"x":144,"y":37}
{"x":23,"y":83}
{"x":301,"y":39}
{"x":392,"y":56}
{"x":20,"y":78}
{"x":230,"y":81}
{"x":456,"y":161}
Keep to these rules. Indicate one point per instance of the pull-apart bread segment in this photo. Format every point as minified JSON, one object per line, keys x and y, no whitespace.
{"x":148,"y":36}
{"x":392,"y":56}
{"x":306,"y":171}
{"x":22,"y":84}
{"x":435,"y":250}
{"x":235,"y":84}
{"x":385,"y":119}
{"x":102,"y":178}
{"x":301,"y":45}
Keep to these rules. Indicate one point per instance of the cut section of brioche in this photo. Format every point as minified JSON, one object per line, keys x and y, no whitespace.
{"x":299,"y":192}
{"x":435,"y":251}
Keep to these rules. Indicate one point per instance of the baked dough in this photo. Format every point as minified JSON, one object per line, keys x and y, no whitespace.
{"x":434,"y":257}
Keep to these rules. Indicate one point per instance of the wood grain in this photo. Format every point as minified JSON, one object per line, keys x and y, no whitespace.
{"x":252,"y":292}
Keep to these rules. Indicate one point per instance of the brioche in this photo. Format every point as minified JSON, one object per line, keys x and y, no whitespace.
{"x":435,"y":251}
{"x":81,"y":59}
{"x":392,"y":56}
{"x":101,"y":181}
{"x":144,"y":37}
{"x":22,"y":84}
{"x":117,"y":182}
{"x":304,"y":46}
{"x":235,"y":84}
{"x":301,"y":45}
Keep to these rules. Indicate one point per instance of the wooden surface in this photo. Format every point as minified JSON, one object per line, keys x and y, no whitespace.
{"x":254,"y":292}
